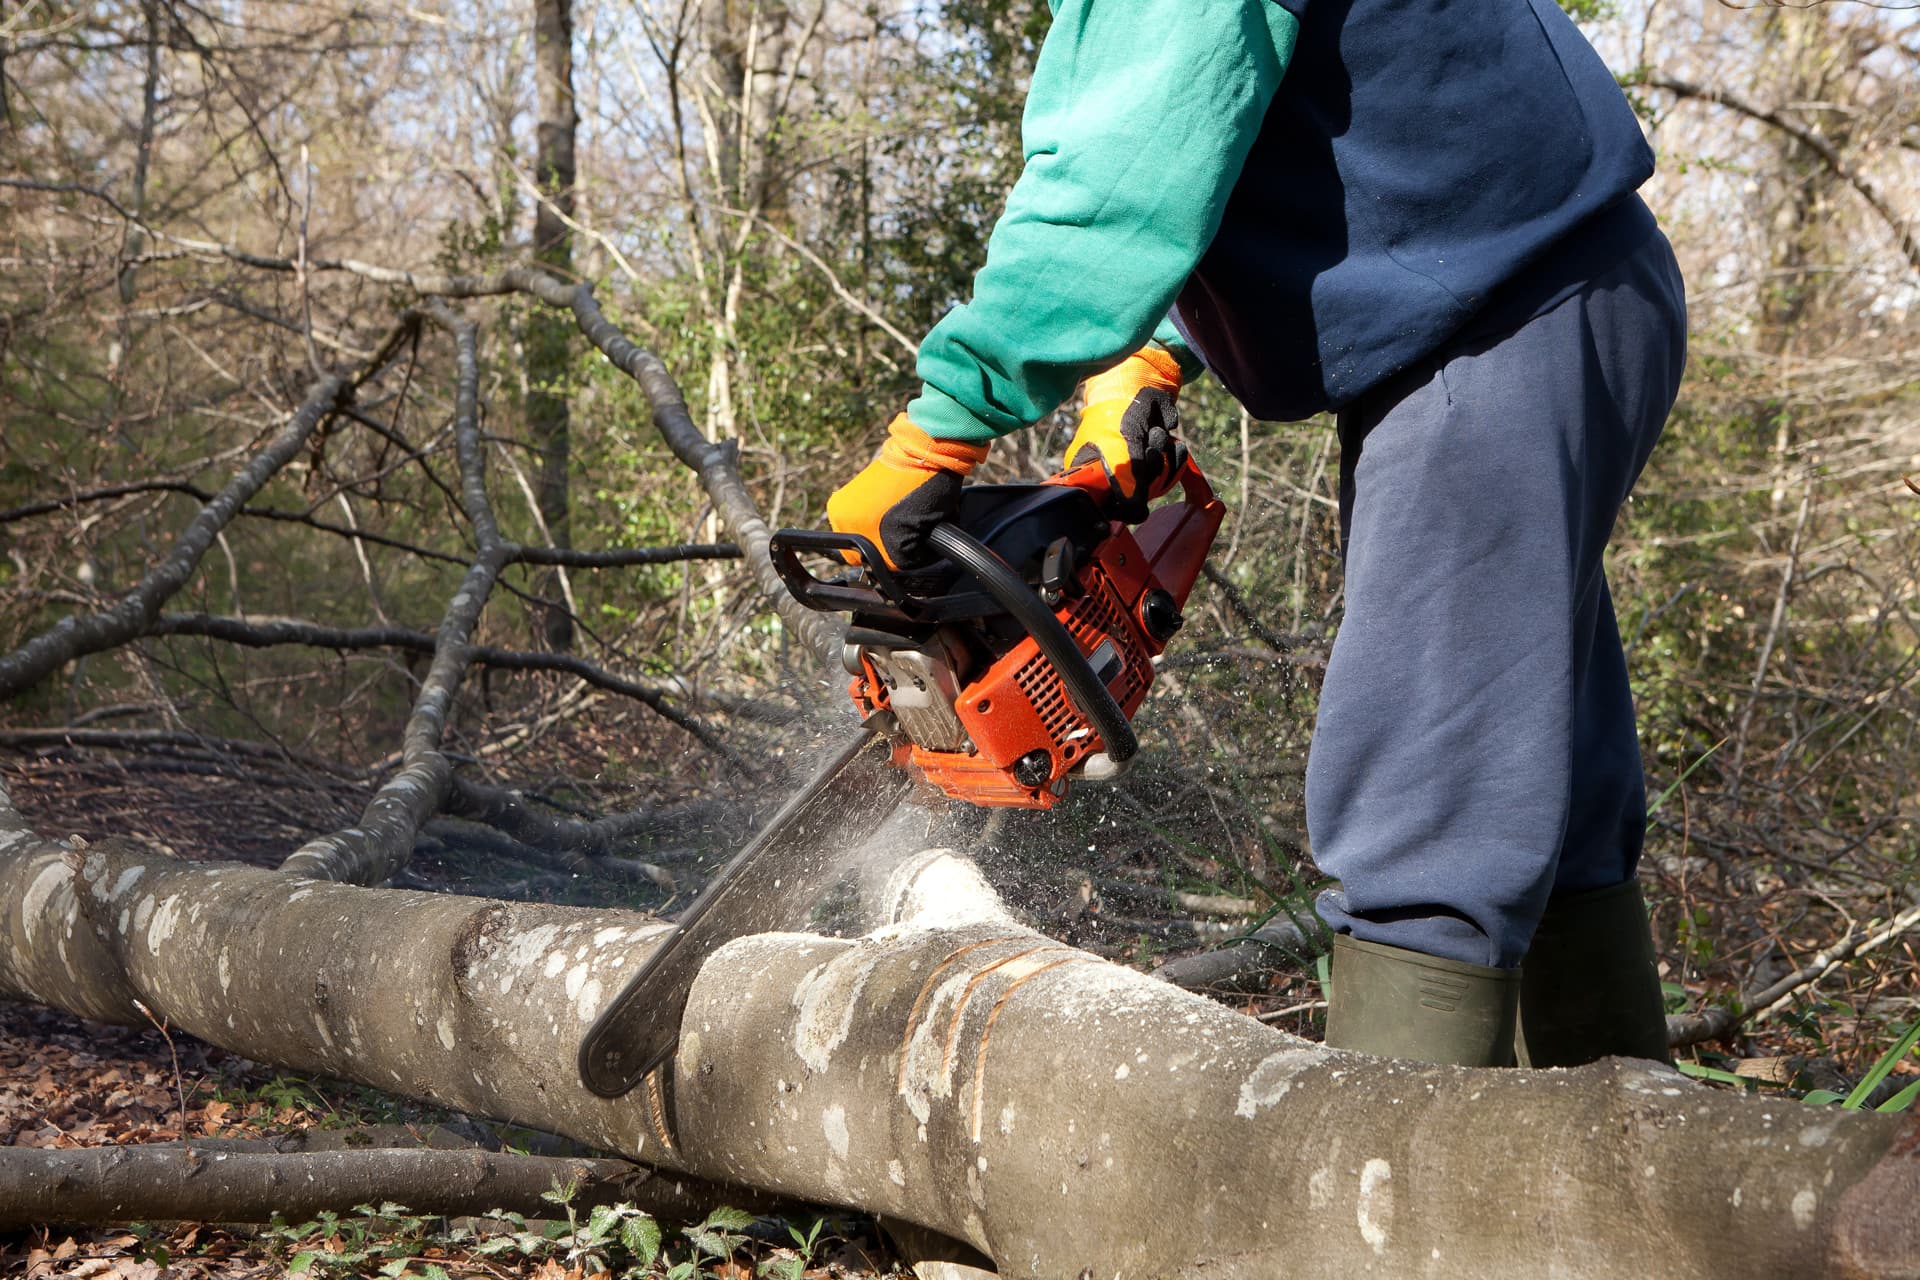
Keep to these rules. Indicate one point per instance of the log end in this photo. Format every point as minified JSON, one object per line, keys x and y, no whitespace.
{"x":1876,"y":1234}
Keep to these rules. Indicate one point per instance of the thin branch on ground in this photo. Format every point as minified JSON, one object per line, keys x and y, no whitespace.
{"x":159,"y":1183}
{"x":1721,"y":1021}
{"x":1288,"y":942}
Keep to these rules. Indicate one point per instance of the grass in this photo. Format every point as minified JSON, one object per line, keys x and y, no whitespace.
{"x":1856,"y":1098}
{"x":618,"y":1241}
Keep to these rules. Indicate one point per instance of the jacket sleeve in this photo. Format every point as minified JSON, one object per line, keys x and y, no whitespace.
{"x":1139,"y":119}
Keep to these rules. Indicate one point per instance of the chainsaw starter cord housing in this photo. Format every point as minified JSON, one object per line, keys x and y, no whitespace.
{"x":1010,"y":591}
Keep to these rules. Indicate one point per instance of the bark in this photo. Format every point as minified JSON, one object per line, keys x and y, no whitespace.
{"x":548,"y":410}
{"x":917,"y":1071}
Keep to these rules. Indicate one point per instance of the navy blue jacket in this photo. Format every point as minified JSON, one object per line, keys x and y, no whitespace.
{"x":1398,"y":186}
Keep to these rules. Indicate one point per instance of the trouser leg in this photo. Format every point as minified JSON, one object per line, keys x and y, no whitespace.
{"x":1607,"y":799}
{"x":1475,"y":736}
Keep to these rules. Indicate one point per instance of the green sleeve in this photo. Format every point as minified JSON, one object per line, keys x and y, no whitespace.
{"x":1139,"y":119}
{"x":1168,"y":338}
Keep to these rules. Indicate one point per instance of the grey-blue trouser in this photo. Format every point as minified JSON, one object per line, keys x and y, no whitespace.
{"x":1475,"y":752}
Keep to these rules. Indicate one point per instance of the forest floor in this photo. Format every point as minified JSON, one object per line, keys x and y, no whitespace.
{"x":68,"y":1083}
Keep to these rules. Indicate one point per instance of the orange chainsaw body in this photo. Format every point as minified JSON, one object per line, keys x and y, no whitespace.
{"x":1018,"y":707}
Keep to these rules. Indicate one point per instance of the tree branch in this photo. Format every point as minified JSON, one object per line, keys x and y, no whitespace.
{"x":564,"y":856}
{"x":716,"y":464}
{"x":382,"y":841}
{"x":191,"y":1183}
{"x":624,"y":557}
{"x":1718,"y":1022}
{"x":263,"y":633}
{"x":50,"y":505}
{"x":150,"y":739}
{"x":1902,"y":227}
{"x":1278,"y":641}
{"x":75,"y":636}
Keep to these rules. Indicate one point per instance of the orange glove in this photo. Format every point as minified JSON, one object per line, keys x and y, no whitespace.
{"x":911,"y":486}
{"x":1128,"y":425}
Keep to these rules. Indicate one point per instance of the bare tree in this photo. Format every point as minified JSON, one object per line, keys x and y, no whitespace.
{"x":548,"y":368}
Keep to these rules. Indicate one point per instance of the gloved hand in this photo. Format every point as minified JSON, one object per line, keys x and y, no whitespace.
{"x":911,"y":486}
{"x":1128,"y":424}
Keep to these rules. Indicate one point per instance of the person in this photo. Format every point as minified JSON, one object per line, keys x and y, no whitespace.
{"x":1421,"y":214}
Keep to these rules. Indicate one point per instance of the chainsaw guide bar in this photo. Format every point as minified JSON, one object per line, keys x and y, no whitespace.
{"x":766,"y":886}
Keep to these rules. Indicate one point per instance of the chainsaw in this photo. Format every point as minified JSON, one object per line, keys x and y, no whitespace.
{"x":1000,"y":675}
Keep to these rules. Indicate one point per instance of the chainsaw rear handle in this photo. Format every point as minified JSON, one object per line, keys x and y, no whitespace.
{"x":1089,"y":693}
{"x":1093,"y":479}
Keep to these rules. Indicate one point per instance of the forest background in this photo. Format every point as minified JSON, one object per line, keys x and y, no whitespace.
{"x":202,"y":206}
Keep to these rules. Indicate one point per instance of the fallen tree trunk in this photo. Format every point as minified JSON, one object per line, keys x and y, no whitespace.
{"x":954,"y":1069}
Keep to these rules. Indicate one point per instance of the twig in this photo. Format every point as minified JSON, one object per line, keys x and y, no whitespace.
{"x":1774,"y":624}
{"x":1280,"y":642}
{"x":48,"y":506}
{"x":624,"y":557}
{"x":262,"y":633}
{"x":149,"y":739}
{"x":1274,"y":1015}
{"x":1720,"y":1021}
{"x":841,"y":291}
{"x":179,"y":1089}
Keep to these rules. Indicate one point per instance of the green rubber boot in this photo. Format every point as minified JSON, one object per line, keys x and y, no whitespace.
{"x":1592,"y":985}
{"x":1404,"y":1004}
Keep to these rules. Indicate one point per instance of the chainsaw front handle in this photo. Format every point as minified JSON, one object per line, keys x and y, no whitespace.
{"x":836,"y":595}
